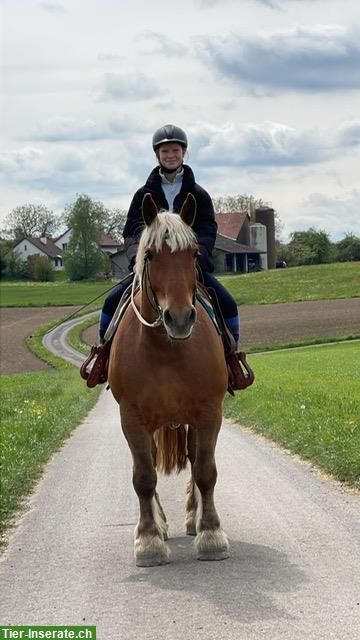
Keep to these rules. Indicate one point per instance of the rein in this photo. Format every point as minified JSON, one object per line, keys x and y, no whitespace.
{"x":157,"y":308}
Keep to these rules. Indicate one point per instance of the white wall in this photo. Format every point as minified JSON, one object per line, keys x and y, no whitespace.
{"x":25,"y":249}
{"x":64,"y":239}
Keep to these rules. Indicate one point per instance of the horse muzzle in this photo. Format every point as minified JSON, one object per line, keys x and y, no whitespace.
{"x":179,"y":323}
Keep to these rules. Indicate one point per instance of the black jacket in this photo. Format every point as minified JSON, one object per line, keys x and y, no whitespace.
{"x":204,"y":226}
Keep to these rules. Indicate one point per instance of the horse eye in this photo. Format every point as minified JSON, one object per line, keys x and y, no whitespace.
{"x":148,"y":255}
{"x":197,"y":254}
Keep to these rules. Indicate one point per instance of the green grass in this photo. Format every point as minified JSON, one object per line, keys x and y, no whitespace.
{"x":54,"y":294}
{"x":74,"y":336}
{"x":309,"y":402}
{"x":316,"y":282}
{"x":38,"y":412}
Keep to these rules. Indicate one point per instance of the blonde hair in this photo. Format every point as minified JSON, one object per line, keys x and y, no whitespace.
{"x":166,"y":227}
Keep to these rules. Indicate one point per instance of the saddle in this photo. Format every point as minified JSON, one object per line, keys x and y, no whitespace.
{"x":95,"y":368}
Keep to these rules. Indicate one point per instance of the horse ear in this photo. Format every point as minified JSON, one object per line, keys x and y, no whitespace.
{"x":188,"y":210}
{"x":149,"y":209}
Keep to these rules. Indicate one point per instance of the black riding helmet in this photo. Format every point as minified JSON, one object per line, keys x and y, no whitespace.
{"x":169,"y":133}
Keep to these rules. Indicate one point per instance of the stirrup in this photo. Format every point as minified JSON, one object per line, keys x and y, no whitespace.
{"x":238,"y":378}
{"x":94,"y":368}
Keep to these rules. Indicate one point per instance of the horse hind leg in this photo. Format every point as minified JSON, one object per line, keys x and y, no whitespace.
{"x":160,"y":516}
{"x":191,"y":489}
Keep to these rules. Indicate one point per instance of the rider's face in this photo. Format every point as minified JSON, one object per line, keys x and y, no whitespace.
{"x":171,"y":155}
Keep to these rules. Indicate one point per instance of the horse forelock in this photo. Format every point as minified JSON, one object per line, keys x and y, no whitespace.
{"x":169,"y":228}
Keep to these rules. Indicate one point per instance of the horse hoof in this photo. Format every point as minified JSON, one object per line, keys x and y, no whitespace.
{"x":151,"y":561}
{"x":213,"y":554}
{"x":150,"y":553}
{"x":212,"y":545}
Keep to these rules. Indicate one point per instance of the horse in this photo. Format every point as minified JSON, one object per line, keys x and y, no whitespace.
{"x":167,"y":371}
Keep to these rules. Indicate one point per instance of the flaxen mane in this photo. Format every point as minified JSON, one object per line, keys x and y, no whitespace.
{"x":167,"y":227}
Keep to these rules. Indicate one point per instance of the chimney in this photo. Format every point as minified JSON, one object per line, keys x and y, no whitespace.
{"x":44,"y":240}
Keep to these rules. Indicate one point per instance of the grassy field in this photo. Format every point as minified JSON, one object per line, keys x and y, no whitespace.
{"x":318,"y":282}
{"x":51,"y":294}
{"x":307,"y":400}
{"x":38,"y":412}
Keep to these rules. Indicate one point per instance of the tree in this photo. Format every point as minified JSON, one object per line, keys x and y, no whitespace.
{"x":31,"y":220}
{"x":307,"y":247}
{"x":237,"y":203}
{"x":232,"y":204}
{"x":348,"y":249}
{"x":115,"y":223}
{"x":83,"y":258}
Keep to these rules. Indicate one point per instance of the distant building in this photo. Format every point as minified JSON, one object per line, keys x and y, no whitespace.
{"x":242,"y":246}
{"x":41,"y":247}
{"x":54,"y":248}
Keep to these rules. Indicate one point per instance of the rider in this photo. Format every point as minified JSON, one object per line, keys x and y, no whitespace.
{"x":169,"y":183}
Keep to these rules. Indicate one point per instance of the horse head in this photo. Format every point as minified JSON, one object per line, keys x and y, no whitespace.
{"x":166,"y":265}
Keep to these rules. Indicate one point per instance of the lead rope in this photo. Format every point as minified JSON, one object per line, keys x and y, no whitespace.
{"x":157,"y":322}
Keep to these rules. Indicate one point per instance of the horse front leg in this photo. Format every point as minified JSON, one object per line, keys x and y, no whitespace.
{"x":149,"y":546}
{"x":211,"y":542}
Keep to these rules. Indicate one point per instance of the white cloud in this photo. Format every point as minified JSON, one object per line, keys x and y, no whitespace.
{"x":52,"y":6}
{"x":70,"y":129}
{"x":270,"y":144}
{"x":335,"y":214}
{"x":306,"y":58}
{"x":136,"y":86}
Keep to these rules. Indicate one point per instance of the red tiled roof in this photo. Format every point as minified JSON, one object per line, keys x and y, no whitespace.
{"x":108,"y":241}
{"x":230,"y":224}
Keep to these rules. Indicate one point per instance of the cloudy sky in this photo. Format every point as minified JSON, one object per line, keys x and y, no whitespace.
{"x":267,"y":90}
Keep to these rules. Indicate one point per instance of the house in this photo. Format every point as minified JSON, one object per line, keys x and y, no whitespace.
{"x":242,"y":244}
{"x":106,"y":243}
{"x":43,"y":247}
{"x":119,"y":264}
{"x":54,"y":248}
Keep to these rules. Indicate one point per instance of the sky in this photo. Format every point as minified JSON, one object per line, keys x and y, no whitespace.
{"x":268,"y":92}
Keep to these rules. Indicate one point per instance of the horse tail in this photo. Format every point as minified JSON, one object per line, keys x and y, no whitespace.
{"x":171,"y":445}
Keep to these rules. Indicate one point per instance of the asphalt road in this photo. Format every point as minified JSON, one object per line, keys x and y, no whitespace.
{"x":293,"y":573}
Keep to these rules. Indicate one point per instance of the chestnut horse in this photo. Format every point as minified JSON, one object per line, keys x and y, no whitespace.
{"x":167,"y":369}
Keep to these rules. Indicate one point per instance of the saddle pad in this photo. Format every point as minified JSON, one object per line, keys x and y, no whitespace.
{"x":119,"y":312}
{"x":208,"y":308}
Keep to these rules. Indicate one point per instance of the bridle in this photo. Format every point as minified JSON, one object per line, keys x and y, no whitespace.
{"x":155,"y":305}
{"x":145,"y":283}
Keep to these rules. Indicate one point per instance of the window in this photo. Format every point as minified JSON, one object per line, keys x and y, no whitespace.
{"x":25,"y":247}
{"x":64,"y":245}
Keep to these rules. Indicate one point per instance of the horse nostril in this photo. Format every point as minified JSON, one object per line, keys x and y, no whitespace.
{"x":192,"y":316}
{"x":167,"y":317}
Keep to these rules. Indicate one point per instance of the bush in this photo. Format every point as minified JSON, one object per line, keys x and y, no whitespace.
{"x":348,"y":249}
{"x":39,"y":268}
{"x":15,"y":265}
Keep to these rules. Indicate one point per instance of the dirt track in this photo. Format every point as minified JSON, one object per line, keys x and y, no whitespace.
{"x":15,"y":325}
{"x":260,"y":325}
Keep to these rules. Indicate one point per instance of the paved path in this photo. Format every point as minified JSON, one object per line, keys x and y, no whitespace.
{"x":294,"y":570}
{"x":293,"y":574}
